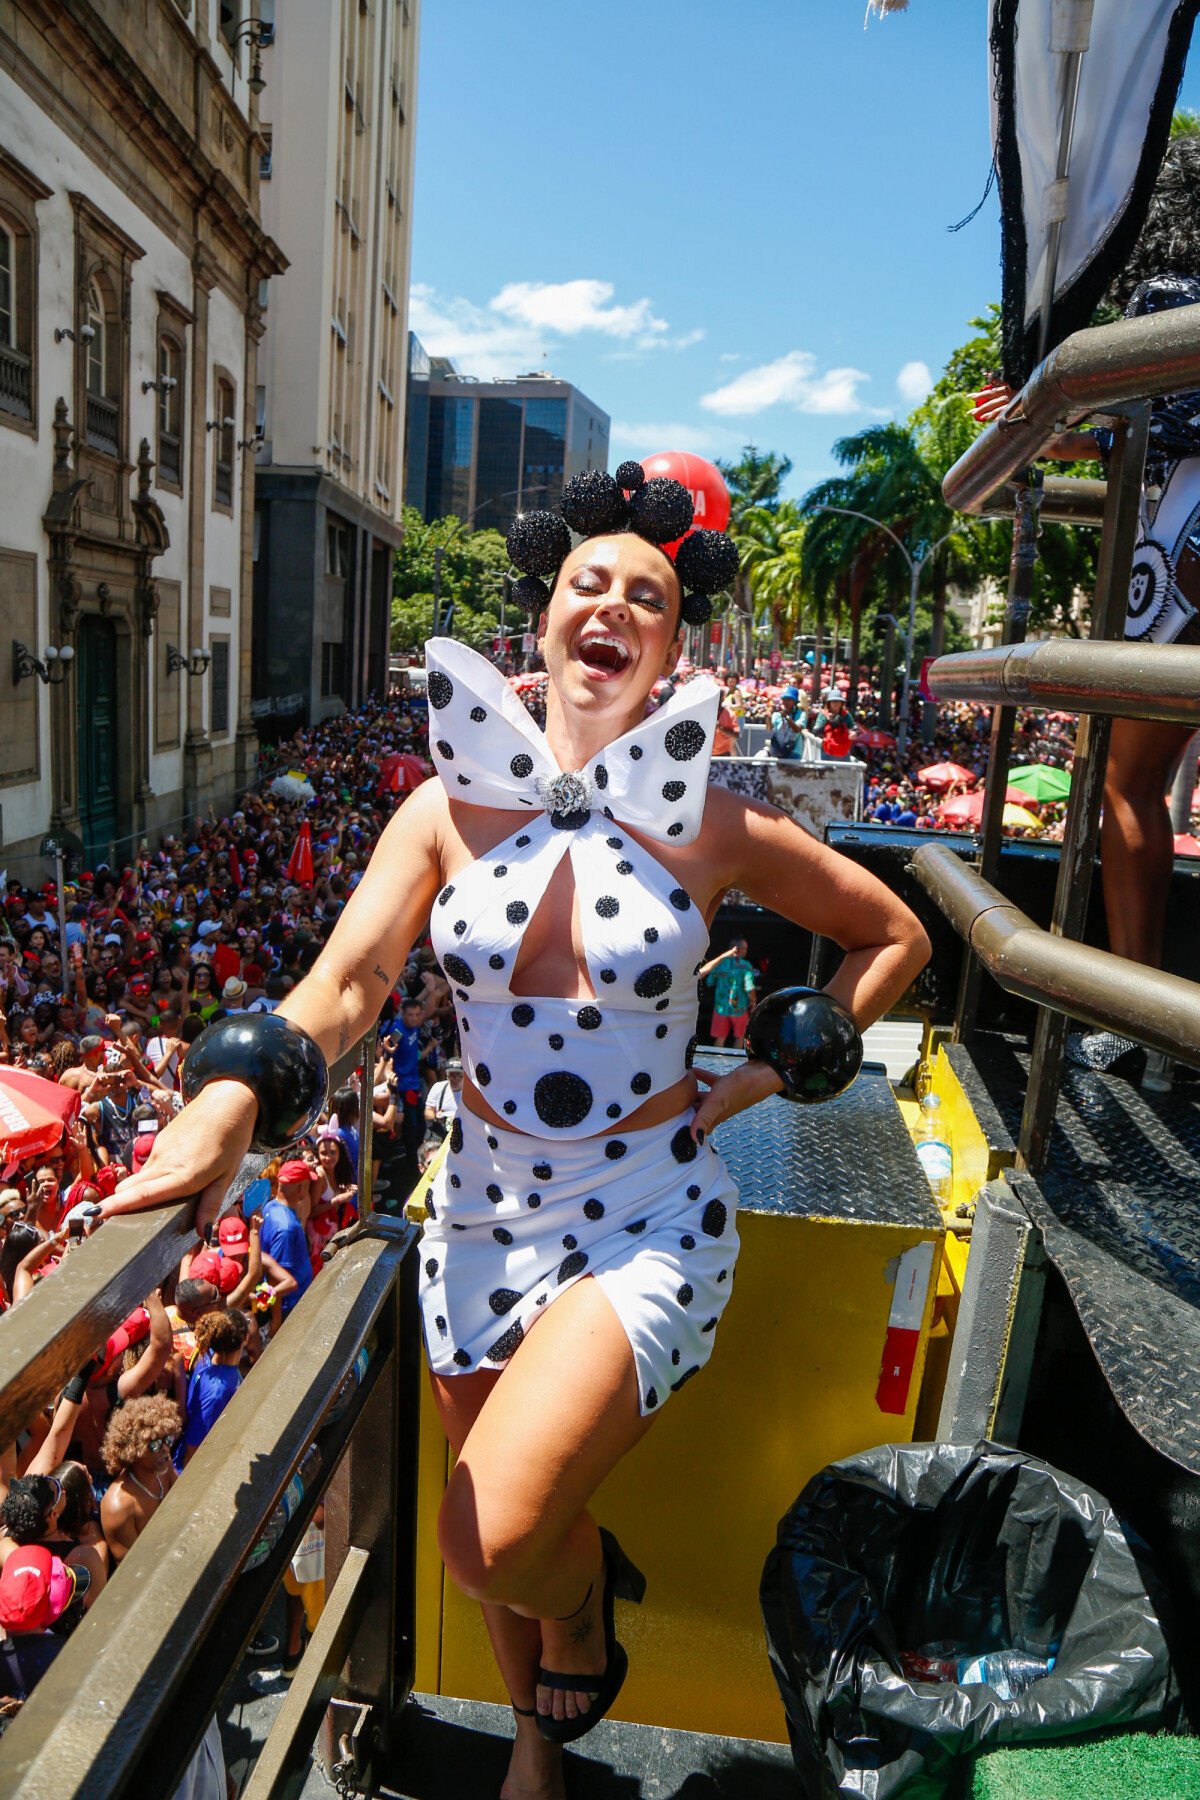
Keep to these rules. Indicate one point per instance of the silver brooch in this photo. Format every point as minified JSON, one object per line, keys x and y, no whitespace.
{"x":570,"y":793}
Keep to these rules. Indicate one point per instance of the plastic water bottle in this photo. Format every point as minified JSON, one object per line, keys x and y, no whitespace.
{"x":1007,"y":1672}
{"x":933,"y":1149}
{"x":287,"y":1507}
{"x":352,"y":1380}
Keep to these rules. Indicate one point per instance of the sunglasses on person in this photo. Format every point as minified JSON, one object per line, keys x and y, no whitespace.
{"x":163,"y":1443}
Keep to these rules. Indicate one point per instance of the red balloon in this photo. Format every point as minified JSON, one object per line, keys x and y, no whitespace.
{"x":704,"y":482}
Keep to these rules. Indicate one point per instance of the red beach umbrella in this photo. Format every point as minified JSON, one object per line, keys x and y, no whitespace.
{"x":944,"y":775}
{"x":401,"y":772}
{"x":33,"y":1112}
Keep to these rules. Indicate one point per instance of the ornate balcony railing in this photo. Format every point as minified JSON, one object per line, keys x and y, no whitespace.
{"x":103,"y":424}
{"x":170,"y":457}
{"x":16,"y":382}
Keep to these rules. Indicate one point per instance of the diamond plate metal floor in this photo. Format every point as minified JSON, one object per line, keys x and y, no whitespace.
{"x":849,"y":1159}
{"x":460,"y":1748}
{"x":1119,"y":1208}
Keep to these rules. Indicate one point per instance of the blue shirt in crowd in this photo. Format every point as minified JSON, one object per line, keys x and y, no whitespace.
{"x":283,"y":1239}
{"x":210,"y":1390}
{"x":406,"y":1057}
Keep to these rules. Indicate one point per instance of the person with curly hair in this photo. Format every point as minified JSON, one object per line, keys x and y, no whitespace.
{"x":216,"y":1377}
{"x":137,"y":1453}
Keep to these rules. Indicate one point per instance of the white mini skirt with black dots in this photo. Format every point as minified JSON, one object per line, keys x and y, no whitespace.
{"x":516,"y":1220}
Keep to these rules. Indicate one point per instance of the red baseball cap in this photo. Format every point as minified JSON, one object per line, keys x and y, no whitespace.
{"x":295,"y":1170}
{"x":36,"y":1588}
{"x":143,"y":1144}
{"x":233,"y":1235}
{"x":222,"y":1271}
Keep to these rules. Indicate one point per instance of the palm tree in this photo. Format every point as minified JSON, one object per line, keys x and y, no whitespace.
{"x":754,"y":481}
{"x":889,"y":480}
{"x":774,"y":567}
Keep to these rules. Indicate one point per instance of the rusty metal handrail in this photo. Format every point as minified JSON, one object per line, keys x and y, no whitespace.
{"x":1153,"y":1008}
{"x":1102,"y":368}
{"x":1116,"y":680}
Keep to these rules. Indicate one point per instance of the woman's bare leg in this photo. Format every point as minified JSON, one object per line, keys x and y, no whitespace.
{"x":536,"y":1768}
{"x":1136,"y":842}
{"x":514,"y":1529}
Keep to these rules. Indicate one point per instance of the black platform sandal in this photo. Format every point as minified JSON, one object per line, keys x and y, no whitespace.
{"x":622,"y":1581}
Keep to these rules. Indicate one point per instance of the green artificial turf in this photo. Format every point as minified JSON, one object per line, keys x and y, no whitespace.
{"x":1133,"y":1766}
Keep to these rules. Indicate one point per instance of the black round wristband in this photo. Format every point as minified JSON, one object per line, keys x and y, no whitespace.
{"x":279,"y":1062}
{"x":809,"y":1039}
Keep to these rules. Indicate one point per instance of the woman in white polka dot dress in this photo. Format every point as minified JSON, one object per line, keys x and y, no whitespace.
{"x":582,"y":1242}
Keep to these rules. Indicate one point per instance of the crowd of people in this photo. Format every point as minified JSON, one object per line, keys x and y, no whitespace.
{"x":103,"y":990}
{"x":97,"y":1016}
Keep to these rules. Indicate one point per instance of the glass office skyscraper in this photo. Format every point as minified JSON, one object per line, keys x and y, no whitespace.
{"x":486,"y":449}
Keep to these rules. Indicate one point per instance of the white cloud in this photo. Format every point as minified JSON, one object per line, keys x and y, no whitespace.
{"x":479,"y":342}
{"x":790,"y":380}
{"x":519,"y":326}
{"x":645,"y":438}
{"x":914,"y":382}
{"x":569,"y":307}
{"x":730,"y":356}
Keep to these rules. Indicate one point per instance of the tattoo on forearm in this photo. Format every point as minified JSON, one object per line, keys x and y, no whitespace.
{"x":343,"y":1039}
{"x":382,"y":974}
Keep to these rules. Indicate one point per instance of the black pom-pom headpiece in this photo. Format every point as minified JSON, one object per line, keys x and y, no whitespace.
{"x":595,"y":503}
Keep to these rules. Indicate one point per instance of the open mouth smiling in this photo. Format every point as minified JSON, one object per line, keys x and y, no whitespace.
{"x":604,"y":652}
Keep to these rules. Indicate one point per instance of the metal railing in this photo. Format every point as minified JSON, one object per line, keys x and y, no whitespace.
{"x":1113,"y":370}
{"x":1118,"y":680}
{"x":16,"y":382}
{"x":1106,"y":368}
{"x":1094,"y":986}
{"x":170,"y":456}
{"x":103,"y":424}
{"x":1065,"y":500}
{"x":123,"y":1707}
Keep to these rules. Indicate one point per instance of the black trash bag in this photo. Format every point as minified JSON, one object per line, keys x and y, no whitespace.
{"x":983,"y":1548}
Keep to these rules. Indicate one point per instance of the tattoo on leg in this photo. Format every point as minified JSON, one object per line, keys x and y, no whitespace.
{"x":582,"y":1632}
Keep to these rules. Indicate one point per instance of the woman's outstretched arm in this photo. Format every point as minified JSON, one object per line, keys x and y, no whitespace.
{"x":199,"y":1152}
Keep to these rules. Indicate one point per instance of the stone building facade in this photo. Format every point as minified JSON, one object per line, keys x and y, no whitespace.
{"x":133,"y":277}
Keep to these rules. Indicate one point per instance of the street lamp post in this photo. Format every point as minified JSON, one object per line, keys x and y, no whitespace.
{"x":925,"y":553}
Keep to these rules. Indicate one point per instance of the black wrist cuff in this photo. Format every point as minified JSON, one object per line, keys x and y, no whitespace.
{"x":279,"y":1062}
{"x":75,"y":1389}
{"x":809,"y":1039}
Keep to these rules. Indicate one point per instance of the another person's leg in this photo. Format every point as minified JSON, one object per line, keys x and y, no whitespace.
{"x":738,"y":1025}
{"x":1136,"y":853}
{"x":1136,"y":842}
{"x":719,"y":1027}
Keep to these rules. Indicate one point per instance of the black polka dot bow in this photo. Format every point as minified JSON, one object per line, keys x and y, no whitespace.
{"x":489,"y":752}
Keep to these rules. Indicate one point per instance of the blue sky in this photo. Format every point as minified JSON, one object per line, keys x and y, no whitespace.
{"x":725,"y":223}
